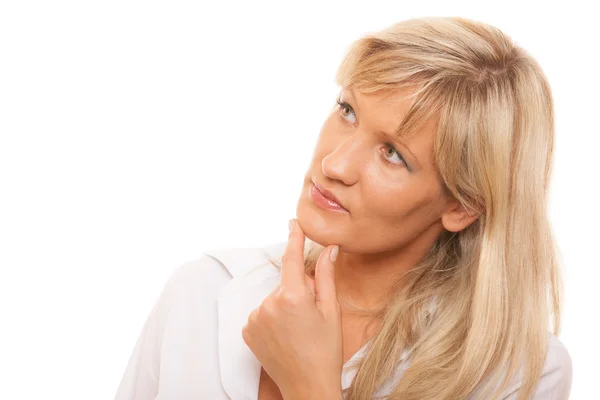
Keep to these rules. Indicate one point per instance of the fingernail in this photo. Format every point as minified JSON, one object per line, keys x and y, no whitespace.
{"x":334,"y":253}
{"x":291,"y":224}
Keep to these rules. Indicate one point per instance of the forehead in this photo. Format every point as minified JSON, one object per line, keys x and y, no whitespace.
{"x":383,"y":111}
{"x":395,"y":103}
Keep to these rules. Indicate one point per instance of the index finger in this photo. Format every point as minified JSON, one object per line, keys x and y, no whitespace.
{"x":292,"y":262}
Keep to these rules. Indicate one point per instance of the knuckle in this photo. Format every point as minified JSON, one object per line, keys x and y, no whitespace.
{"x":266,"y":310}
{"x":246,"y":334}
{"x":286,"y":256}
{"x":290,"y":299}
{"x":253,"y":317}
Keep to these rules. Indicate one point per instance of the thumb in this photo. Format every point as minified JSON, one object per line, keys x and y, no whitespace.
{"x":325,"y":292}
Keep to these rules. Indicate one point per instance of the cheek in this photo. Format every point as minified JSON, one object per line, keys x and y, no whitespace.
{"x":382,"y":178}
{"x":384,"y":193}
{"x":392,"y":200}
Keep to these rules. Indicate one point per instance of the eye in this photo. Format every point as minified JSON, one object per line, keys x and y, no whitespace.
{"x":391,"y":152}
{"x":346,"y":110}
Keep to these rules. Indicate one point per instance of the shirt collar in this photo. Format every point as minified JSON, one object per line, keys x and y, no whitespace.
{"x":253,"y":278}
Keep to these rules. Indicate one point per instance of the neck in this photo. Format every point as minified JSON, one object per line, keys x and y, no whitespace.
{"x":368,"y":281}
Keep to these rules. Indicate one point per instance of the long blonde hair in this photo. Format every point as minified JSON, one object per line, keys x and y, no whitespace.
{"x":496,"y":283}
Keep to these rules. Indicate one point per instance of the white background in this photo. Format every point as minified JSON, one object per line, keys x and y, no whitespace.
{"x":137,"y":134}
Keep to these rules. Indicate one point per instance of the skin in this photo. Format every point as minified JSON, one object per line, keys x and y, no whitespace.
{"x":296,"y":332}
{"x":396,"y":209}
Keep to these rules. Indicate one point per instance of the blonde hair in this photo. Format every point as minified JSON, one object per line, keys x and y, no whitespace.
{"x":496,"y":283}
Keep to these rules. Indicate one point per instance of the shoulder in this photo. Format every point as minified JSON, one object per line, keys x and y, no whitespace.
{"x":216,"y":267}
{"x":195,"y":275}
{"x":555,"y":382}
{"x":200,"y":268}
{"x":558,"y":371}
{"x":241,"y":260}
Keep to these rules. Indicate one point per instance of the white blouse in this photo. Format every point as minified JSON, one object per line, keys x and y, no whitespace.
{"x":191,"y":346}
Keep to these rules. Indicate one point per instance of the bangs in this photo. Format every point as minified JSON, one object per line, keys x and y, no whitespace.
{"x":373,"y":65}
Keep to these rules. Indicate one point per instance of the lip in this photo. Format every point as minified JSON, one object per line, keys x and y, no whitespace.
{"x":325,"y":199}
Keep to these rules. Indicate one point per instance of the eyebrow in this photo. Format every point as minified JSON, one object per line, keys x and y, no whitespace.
{"x":392,"y":137}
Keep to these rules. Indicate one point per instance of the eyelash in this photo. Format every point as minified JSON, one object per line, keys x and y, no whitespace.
{"x":342,"y":105}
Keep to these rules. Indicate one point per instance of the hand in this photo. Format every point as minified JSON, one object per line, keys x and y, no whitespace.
{"x":296,"y":333}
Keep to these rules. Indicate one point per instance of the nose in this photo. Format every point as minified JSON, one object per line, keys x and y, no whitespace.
{"x":345,"y":160}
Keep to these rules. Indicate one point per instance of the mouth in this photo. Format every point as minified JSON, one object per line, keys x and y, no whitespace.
{"x":326,"y":199}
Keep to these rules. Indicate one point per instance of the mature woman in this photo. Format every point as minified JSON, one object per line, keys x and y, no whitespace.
{"x":421,"y":264}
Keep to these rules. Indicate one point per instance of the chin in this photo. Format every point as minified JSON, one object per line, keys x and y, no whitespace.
{"x":321,"y":226}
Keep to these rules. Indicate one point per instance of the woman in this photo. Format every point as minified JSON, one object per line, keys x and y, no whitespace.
{"x":421,"y":264}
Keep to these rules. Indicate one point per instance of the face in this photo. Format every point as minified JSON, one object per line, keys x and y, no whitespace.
{"x":389,"y":189}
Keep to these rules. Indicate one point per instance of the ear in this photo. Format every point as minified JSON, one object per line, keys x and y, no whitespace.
{"x":456,"y":217}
